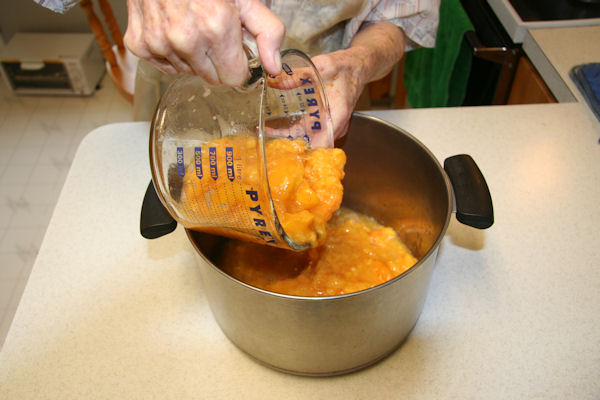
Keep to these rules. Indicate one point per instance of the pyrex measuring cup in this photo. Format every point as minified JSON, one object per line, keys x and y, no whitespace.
{"x":207,"y":146}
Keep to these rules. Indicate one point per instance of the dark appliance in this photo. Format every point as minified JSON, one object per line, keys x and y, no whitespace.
{"x":556,"y":10}
{"x":495,"y":55}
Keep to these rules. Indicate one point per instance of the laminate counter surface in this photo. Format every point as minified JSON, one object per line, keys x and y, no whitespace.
{"x":512,"y":312}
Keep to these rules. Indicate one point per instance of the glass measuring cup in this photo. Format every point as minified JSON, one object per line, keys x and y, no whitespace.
{"x":207,"y":146}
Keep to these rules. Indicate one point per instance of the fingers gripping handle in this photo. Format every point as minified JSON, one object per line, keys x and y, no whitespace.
{"x":473,"y":199}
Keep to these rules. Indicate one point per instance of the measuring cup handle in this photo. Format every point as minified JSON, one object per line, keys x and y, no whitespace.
{"x":254,"y":65}
{"x":155,"y":220}
{"x":250,"y":46}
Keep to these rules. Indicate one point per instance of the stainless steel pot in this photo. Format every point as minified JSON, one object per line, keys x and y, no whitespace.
{"x":394,"y":178}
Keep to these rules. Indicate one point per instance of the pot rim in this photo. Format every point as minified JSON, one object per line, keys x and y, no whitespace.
{"x":434,"y":247}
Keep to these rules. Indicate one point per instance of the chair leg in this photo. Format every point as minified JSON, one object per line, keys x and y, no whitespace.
{"x":98,"y":31}
{"x":111,"y":22}
{"x":114,"y":68}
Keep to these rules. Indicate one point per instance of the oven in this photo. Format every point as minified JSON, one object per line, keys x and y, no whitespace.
{"x":496,"y":51}
{"x":52,"y":64}
{"x":495,"y":56}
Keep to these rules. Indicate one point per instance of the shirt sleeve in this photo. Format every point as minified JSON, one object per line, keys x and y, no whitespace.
{"x":59,"y":6}
{"x":418,"y":19}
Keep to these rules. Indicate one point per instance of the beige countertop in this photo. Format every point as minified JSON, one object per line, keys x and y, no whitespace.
{"x":512,"y":312}
{"x":555,"y":51}
{"x":517,"y":28}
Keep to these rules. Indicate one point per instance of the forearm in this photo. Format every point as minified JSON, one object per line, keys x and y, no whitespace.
{"x":372,"y":54}
{"x":377,"y":48}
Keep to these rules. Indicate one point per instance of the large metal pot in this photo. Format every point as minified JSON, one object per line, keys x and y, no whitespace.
{"x":394,"y":178}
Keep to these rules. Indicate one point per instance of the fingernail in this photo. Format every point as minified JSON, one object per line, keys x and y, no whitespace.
{"x":277,"y":60}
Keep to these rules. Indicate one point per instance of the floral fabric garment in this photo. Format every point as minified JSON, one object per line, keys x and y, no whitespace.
{"x":60,"y":6}
{"x":322,"y":26}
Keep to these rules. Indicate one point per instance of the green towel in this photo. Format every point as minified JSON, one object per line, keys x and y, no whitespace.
{"x":438,"y":77}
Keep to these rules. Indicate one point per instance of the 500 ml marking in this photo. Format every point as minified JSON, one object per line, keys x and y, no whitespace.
{"x":198,"y":162}
{"x":259,"y":220}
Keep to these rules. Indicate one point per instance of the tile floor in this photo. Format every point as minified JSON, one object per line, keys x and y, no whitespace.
{"x":38,"y":138}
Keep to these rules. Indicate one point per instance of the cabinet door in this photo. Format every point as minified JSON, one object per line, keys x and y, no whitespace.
{"x":528,"y":86}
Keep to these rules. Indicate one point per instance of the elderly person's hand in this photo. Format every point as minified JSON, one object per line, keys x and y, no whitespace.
{"x":371,"y":55}
{"x":203,"y":37}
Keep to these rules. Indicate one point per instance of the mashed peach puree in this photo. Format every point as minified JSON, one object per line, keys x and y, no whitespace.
{"x":305,"y":186}
{"x":358,"y":253}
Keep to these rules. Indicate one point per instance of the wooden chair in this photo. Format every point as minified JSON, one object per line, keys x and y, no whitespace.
{"x":120,"y":63}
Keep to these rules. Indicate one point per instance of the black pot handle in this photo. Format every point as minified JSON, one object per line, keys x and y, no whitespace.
{"x":473,"y":199}
{"x":155,"y":220}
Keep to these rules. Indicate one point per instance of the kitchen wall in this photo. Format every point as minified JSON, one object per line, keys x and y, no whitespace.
{"x":28,"y":16}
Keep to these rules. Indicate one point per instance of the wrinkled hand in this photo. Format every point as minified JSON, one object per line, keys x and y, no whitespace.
{"x":374,"y":51}
{"x":203,"y":37}
{"x":341,"y":74}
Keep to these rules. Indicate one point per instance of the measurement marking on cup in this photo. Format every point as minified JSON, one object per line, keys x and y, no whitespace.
{"x":229,"y":163}
{"x":180,"y":162}
{"x":198,"y":162}
{"x":258,"y":220}
{"x":284,"y":103}
{"x":212,"y":161}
